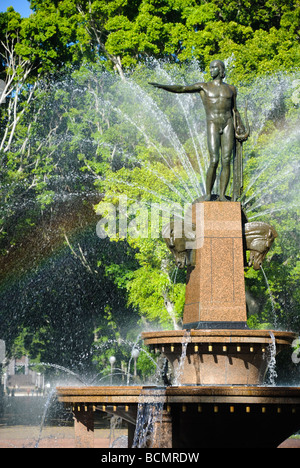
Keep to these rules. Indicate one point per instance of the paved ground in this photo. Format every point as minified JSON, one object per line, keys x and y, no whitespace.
{"x":290,"y":443}
{"x":52,"y":437}
{"x":63,"y":437}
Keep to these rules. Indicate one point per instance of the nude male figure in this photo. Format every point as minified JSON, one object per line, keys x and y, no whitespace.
{"x":219,"y":100}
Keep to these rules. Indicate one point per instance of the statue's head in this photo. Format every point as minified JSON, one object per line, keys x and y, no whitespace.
{"x":220,"y":65}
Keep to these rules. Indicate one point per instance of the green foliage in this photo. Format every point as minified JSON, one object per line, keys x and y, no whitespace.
{"x":261,"y":36}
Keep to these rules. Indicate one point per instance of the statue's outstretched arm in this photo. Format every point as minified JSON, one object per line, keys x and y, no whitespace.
{"x":179,"y":89}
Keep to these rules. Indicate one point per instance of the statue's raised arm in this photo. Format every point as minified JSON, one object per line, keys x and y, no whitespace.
{"x":195,"y":88}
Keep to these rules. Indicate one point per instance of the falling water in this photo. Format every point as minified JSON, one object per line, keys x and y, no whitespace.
{"x":115,"y":423}
{"x":132,"y":345}
{"x":179,"y":371}
{"x":149,"y":419}
{"x":62,"y":368}
{"x":271,"y":356}
{"x":120,"y":442}
{"x":168,"y":130}
{"x":271,"y":298}
{"x":174,"y":275}
{"x":135,"y":346}
{"x":47,"y":406}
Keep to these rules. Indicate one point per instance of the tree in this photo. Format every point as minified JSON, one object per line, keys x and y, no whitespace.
{"x":15,"y":72}
{"x":259,"y":35}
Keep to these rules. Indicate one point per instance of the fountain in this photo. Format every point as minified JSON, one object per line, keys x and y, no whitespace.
{"x":216,"y":396}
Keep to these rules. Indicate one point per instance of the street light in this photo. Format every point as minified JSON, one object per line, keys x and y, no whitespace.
{"x":135,"y":354}
{"x":112,"y":360}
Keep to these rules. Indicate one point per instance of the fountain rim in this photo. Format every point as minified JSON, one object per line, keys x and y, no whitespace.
{"x":118,"y":395}
{"x":218,"y":335}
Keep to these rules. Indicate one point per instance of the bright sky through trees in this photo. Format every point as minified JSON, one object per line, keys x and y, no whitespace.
{"x":21,"y":6}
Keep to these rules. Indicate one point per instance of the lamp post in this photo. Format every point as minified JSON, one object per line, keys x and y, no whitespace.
{"x":135,"y":354}
{"x":112,"y":360}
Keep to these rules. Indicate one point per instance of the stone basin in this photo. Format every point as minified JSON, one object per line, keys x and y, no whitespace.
{"x":192,"y":416}
{"x":219,"y":357}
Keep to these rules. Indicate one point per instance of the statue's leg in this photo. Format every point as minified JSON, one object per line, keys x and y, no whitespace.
{"x":227,"y":141}
{"x":214,"y":145}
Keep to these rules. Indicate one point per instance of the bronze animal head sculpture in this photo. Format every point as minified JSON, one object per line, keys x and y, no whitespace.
{"x":259,"y":237}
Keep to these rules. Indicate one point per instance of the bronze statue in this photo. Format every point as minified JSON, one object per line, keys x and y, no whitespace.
{"x":225,"y":130}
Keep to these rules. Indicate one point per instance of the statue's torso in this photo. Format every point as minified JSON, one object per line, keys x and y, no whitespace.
{"x":218,"y":101}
